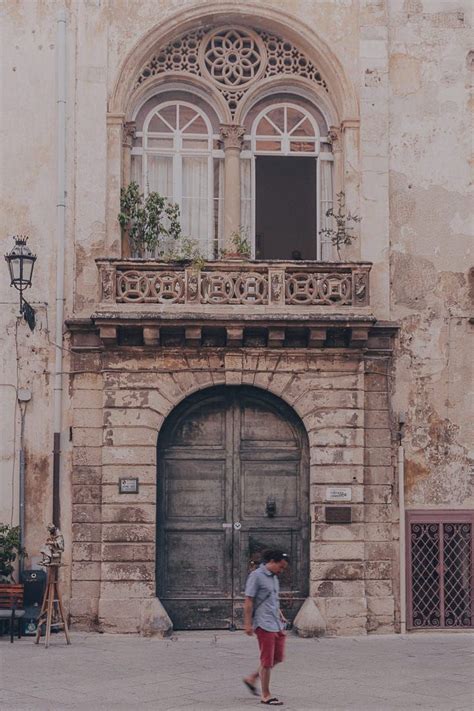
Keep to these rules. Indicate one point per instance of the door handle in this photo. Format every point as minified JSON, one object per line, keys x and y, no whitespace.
{"x":237,"y":525}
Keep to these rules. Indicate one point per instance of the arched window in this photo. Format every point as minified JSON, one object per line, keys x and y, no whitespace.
{"x":209,"y":87}
{"x":286,"y":180}
{"x":174,"y":154}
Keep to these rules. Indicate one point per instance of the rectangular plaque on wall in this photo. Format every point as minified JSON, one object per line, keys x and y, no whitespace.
{"x":128,"y":485}
{"x":338,"y":514}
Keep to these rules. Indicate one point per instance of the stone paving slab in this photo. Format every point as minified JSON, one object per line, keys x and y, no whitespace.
{"x":202,"y":671}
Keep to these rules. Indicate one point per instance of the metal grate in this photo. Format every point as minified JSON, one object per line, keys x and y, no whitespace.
{"x":457,"y":574}
{"x":440,"y":570}
{"x":425,"y":573}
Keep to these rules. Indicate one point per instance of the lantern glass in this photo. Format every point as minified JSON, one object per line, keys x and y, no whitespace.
{"x":20,"y":264}
{"x":28,"y":264}
{"x":14,"y":265}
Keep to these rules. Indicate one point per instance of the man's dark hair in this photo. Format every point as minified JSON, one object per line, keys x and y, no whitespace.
{"x":276,"y":555}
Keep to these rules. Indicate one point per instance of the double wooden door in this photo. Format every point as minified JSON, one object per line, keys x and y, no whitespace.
{"x":232,"y":481}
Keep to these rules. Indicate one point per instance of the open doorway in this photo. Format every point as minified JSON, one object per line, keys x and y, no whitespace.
{"x":285,"y":223}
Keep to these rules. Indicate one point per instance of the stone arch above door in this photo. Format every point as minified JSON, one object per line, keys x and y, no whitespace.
{"x":233,"y":479}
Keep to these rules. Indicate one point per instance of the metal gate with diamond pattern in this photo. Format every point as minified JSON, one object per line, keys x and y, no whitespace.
{"x":440,"y":569}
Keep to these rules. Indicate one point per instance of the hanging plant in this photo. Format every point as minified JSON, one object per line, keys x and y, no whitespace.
{"x":10,"y":549}
{"x":150,"y":221}
{"x":342,"y":233}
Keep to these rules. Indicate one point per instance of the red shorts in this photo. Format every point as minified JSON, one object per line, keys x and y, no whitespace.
{"x":272,"y":647}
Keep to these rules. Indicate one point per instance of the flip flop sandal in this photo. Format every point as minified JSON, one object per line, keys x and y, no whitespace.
{"x":272,"y":702}
{"x":251,"y":687}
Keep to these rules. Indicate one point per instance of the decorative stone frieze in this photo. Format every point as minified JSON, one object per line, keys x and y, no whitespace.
{"x":231,"y":58}
{"x":246,"y":284}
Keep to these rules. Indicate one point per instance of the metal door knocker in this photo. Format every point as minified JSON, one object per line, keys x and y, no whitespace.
{"x":270,"y":507}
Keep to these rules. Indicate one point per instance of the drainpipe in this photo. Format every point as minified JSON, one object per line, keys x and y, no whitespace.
{"x":24,"y":396}
{"x":60,"y":235}
{"x":401,"y":503}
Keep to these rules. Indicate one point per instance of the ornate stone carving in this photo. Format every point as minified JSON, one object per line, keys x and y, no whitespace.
{"x":192,"y":281}
{"x":318,"y":289}
{"x":108,"y":283}
{"x":360,"y":286}
{"x":251,"y":284}
{"x":334,"y":136}
{"x":163,"y":287}
{"x":277,"y":287}
{"x":128,"y":133}
{"x":232,"y":135}
{"x":232,"y":58}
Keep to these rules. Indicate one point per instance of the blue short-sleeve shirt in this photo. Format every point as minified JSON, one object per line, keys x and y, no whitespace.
{"x":264,"y":587}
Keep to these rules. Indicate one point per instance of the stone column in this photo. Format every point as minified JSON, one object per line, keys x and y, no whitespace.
{"x":336,"y":144}
{"x":114,"y":178}
{"x":232,"y":136}
{"x":128,"y":134}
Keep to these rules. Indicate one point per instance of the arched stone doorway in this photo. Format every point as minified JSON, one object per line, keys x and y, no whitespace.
{"x":228,"y":458}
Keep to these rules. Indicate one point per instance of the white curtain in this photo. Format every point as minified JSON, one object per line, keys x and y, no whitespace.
{"x":159,"y":178}
{"x":160,"y":175}
{"x":326,"y":203}
{"x":195,"y":200}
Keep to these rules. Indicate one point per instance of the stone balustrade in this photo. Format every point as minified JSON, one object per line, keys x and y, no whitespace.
{"x":235,"y":282}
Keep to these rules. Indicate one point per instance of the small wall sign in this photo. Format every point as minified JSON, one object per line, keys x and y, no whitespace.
{"x":128,"y":485}
{"x":338,"y":514}
{"x":339,"y":493}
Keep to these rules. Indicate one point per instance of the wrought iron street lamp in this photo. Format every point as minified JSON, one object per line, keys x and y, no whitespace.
{"x":21,"y":262}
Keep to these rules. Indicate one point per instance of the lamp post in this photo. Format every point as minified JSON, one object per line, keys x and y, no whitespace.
{"x":21,"y":262}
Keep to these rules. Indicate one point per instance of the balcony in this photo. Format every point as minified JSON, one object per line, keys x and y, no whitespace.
{"x":268,"y":286}
{"x":231,"y":303}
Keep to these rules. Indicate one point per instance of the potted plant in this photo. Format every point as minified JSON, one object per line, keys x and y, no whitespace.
{"x":10,"y":550}
{"x":149,"y":220}
{"x":240,"y":245}
{"x":341,"y":234}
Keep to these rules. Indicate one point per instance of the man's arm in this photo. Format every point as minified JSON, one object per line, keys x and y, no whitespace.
{"x":248,"y":610}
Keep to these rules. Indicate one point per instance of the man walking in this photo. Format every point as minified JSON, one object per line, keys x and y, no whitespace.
{"x":263,"y":616}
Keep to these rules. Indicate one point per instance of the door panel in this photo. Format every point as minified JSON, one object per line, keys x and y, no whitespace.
{"x":221,"y":456}
{"x":277,"y":480}
{"x":195,"y":488}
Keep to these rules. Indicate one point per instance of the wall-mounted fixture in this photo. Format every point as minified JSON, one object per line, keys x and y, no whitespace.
{"x":270,"y":507}
{"x":21,"y":262}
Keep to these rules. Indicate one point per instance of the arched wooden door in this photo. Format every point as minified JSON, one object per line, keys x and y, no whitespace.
{"x":229,"y":458}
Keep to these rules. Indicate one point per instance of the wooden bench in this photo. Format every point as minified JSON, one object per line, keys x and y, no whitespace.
{"x":11,"y":607}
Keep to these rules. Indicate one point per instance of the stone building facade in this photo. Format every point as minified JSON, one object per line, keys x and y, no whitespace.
{"x":291,"y":398}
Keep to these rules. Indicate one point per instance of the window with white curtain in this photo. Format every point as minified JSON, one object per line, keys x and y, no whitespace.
{"x":174,"y":156}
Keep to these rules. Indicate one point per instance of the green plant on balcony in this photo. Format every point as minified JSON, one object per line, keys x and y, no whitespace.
{"x":152,"y":222}
{"x":10,"y":550}
{"x":240,"y":245}
{"x":342,"y":233}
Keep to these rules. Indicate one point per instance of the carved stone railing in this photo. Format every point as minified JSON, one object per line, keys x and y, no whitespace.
{"x":245,"y":283}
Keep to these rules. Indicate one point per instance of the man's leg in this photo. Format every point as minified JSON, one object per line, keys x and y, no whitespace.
{"x":265,"y":674}
{"x":267,"y":641}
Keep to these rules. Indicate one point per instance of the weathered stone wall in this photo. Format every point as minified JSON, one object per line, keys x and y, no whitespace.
{"x":430,"y":80}
{"x":117,"y":418}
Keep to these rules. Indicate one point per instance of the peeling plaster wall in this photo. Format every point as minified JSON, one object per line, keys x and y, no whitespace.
{"x":431,"y":245}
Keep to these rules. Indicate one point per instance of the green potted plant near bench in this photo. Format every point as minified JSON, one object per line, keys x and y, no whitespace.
{"x":11,"y":593}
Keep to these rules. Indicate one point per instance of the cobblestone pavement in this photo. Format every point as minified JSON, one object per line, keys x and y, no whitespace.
{"x":202,"y":671}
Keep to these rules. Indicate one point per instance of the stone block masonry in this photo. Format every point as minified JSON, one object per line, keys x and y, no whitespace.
{"x":342,"y":400}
